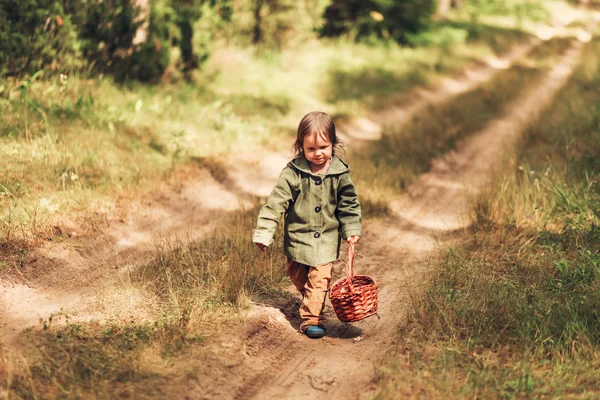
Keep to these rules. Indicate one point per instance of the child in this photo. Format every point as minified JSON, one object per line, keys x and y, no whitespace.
{"x":320,"y":204}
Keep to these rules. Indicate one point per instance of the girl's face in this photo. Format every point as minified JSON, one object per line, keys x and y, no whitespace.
{"x":317,"y":148}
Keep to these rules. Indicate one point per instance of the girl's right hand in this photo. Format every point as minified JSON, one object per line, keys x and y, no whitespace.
{"x":262,"y":247}
{"x":353,"y":239}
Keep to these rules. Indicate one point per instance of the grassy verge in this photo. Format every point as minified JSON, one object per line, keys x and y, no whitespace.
{"x":513,"y":312}
{"x":96,"y":361}
{"x":224,"y":268}
{"x":392,"y":163}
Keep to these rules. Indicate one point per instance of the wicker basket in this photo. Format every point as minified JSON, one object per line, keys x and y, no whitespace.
{"x":355,"y":296}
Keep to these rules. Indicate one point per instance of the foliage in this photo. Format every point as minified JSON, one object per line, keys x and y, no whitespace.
{"x":135,"y":39}
{"x":36,"y":34}
{"x":110,"y":38}
{"x":113,"y":36}
{"x":377,"y":18}
{"x":274,"y":22}
{"x":151,"y":58}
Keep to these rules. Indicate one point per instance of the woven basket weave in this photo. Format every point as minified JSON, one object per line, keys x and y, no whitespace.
{"x":355,"y":296}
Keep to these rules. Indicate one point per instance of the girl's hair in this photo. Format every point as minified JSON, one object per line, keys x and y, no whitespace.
{"x":316,"y":122}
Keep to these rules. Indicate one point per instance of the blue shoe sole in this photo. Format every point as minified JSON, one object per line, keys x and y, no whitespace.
{"x":315,"y":332}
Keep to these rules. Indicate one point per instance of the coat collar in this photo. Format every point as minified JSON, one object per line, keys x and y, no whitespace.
{"x":337,"y":166}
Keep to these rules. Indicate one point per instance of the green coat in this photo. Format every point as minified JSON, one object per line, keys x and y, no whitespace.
{"x":317,"y":208}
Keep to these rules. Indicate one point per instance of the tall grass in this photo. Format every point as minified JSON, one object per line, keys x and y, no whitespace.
{"x":225,"y":267}
{"x":93,"y":361}
{"x":513,"y":312}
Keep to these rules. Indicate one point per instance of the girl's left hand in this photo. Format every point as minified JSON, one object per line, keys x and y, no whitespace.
{"x":353,"y":239}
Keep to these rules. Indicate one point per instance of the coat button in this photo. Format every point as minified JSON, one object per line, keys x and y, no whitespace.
{"x":318,"y":182}
{"x":318,"y":209}
{"x":317,"y":235}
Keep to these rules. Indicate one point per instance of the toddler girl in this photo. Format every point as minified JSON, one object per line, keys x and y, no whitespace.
{"x":320,"y":204}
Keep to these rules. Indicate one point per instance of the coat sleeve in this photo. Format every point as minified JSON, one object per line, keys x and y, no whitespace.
{"x":278,"y":202}
{"x":348,"y":208}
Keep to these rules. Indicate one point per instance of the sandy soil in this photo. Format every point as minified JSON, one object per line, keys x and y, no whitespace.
{"x":269,"y":359}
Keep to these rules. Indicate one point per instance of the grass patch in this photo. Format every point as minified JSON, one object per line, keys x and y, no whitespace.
{"x":96,"y":360}
{"x":225,"y":268}
{"x":513,"y":312}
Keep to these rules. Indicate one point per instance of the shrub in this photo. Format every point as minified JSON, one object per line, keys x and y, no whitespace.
{"x":379,"y":18}
{"x":109,"y":39}
{"x":35,"y":35}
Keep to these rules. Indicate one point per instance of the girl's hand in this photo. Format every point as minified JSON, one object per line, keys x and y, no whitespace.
{"x":353,"y":239}
{"x":261,"y":246}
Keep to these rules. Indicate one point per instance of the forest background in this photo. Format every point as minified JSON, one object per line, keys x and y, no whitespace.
{"x":149,"y":40}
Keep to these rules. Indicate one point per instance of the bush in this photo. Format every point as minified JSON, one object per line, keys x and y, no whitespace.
{"x":378,"y":18}
{"x":35,"y":35}
{"x":59,"y":35}
{"x":109,"y":32}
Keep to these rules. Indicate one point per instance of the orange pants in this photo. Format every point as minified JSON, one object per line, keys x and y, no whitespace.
{"x":313,"y":284}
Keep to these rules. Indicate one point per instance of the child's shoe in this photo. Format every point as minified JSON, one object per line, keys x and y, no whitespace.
{"x":314,"y":332}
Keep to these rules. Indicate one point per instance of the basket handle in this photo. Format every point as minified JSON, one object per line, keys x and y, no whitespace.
{"x":350,"y":267}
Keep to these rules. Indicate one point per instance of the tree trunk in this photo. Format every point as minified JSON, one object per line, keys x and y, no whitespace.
{"x":442,"y":8}
{"x":185,"y":44}
{"x":143,"y":18}
{"x":258,"y":34}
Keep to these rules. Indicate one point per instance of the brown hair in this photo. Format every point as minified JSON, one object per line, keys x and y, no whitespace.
{"x":319,"y":122}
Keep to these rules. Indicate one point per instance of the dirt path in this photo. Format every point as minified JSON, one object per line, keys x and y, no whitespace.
{"x":396,"y":252}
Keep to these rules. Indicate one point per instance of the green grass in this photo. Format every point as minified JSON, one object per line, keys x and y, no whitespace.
{"x":371,"y":75}
{"x":513,"y":311}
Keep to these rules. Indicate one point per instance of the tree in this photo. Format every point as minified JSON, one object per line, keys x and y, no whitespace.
{"x":443,"y":7}
{"x":35,"y":35}
{"x":188,"y":11}
{"x":274,"y":21}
